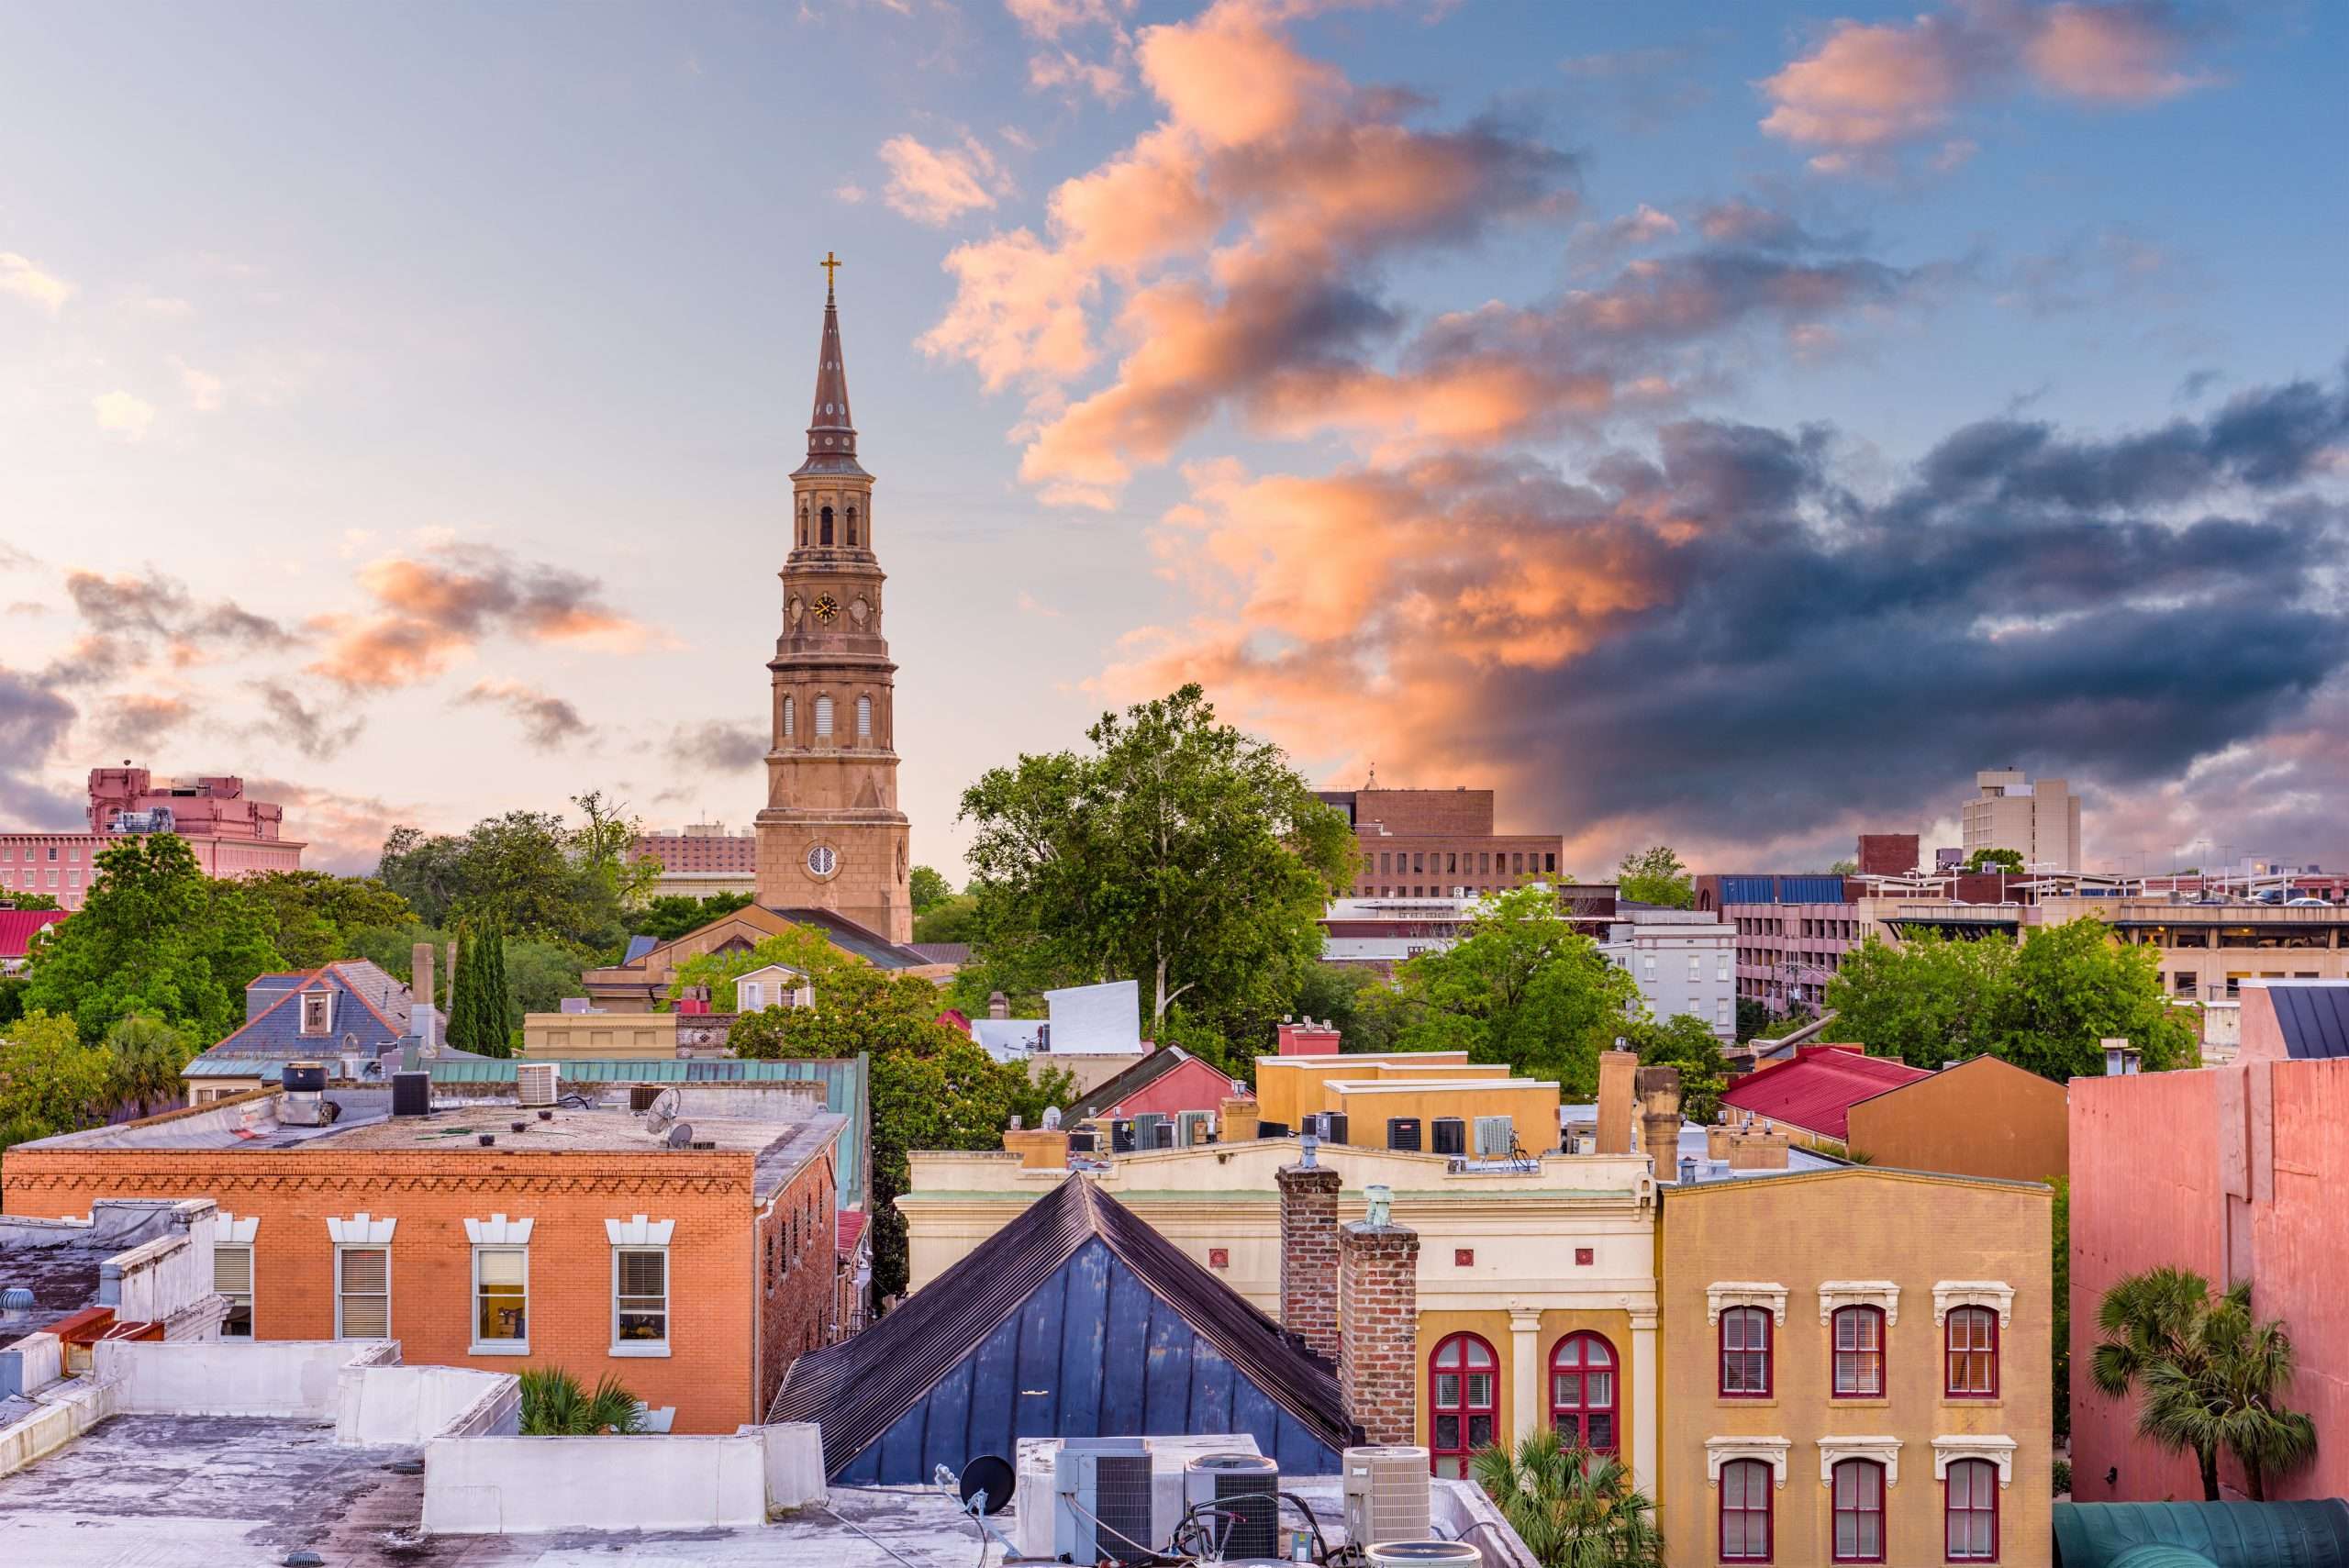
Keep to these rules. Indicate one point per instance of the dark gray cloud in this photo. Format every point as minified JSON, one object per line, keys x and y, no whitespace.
{"x":33,"y":720}
{"x":718,"y":747}
{"x":312,"y":730}
{"x":139,"y":720}
{"x":546,"y":721}
{"x":128,"y":616}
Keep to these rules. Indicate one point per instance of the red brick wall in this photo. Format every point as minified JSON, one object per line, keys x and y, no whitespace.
{"x":797,"y":1246}
{"x":1309,"y":1255}
{"x":1378,"y":1325}
{"x":708,"y":1376}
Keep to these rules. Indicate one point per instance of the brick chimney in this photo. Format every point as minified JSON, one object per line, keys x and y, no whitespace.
{"x":1309,"y":1255}
{"x":1657,"y":1090}
{"x":1615,"y":1070}
{"x":1378,"y":1328}
{"x":999,"y":1004}
{"x":419,"y":984}
{"x":1235,"y":1119}
{"x":1751,"y":1150}
{"x":1305,"y":1037}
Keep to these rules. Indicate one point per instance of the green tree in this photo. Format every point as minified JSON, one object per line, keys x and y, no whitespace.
{"x":955,"y":920}
{"x":50,"y":1081}
{"x":1932,"y":999}
{"x":1655,"y":876}
{"x":1178,"y":852}
{"x":1356,"y":1000}
{"x":316,"y":913}
{"x":1846,"y":867}
{"x":555,"y":1405}
{"x":674,"y":915}
{"x":932,"y":1086}
{"x":155,"y":937}
{"x":803,"y":948}
{"x":1992,"y":860}
{"x":2074,"y":986}
{"x":477,"y":1000}
{"x":927,"y":887}
{"x":2061,"y":1281}
{"x":2209,"y":1374}
{"x":148,"y":1060}
{"x":1521,"y":985}
{"x":527,"y":871}
{"x":603,"y":848}
{"x":13,"y":899}
{"x":1682,"y":1041}
{"x":1571,"y":1508}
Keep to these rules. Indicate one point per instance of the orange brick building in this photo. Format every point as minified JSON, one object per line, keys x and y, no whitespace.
{"x":583,"y":1240}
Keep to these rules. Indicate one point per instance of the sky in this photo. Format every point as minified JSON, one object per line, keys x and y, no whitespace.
{"x":1726,"y":426}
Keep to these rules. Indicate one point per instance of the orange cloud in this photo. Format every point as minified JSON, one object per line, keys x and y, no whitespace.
{"x":438,"y":607}
{"x":938,"y":184}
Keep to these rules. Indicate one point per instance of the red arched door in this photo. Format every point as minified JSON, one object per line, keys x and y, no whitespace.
{"x":1584,"y":1391}
{"x":1464,"y":1386}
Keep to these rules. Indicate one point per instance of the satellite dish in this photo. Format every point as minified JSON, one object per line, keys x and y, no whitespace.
{"x":682,"y":1135}
{"x":663,"y":1110}
{"x":992,"y":1475}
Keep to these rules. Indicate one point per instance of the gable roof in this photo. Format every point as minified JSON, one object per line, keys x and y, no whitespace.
{"x":2313,"y":1020}
{"x":274,"y":1032}
{"x":18,"y":926}
{"x":854,"y":1390}
{"x":1133,"y":1080}
{"x":1817,"y":1090}
{"x":860,"y":941}
{"x":1972,"y":1064}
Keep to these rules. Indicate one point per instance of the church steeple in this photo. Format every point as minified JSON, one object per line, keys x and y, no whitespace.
{"x":831,"y":433}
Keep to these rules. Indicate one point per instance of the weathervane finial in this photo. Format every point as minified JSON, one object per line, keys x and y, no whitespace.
{"x":831,"y":264}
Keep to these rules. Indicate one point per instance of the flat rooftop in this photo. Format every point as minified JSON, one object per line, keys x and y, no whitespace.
{"x":782,"y":1143}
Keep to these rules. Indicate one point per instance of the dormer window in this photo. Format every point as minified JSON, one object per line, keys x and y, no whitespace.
{"x":318,"y":1012}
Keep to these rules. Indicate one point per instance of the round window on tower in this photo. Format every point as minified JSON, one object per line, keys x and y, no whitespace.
{"x":822,"y":860}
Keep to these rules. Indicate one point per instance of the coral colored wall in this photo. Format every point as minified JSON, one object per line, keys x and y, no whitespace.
{"x":1192,"y":1086}
{"x":2230,"y":1171}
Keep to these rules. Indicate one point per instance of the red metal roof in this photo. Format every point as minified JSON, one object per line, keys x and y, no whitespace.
{"x":17,"y":925}
{"x":851,"y":1227}
{"x":1817,"y":1090}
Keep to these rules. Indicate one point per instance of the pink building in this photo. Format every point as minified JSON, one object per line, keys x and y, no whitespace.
{"x":1169,"y":1080}
{"x":2236,"y":1172}
{"x":230,"y":834}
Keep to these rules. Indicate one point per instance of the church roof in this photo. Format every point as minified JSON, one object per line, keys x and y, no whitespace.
{"x":832,"y":432}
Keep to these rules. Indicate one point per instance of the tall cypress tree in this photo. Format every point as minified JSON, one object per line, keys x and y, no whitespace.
{"x":464,"y":989}
{"x":495,"y":1042}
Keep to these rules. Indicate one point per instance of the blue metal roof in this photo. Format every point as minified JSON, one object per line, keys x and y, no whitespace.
{"x":2314,"y":1019}
{"x":1762,"y":889}
{"x":845,"y":1085}
{"x":2228,"y":1535}
{"x":637,"y":948}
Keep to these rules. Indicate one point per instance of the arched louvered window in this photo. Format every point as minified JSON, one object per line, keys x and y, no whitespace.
{"x":790,"y":719}
{"x":865,"y":718}
{"x":823,"y":718}
{"x":824,"y":527}
{"x":802,"y":523}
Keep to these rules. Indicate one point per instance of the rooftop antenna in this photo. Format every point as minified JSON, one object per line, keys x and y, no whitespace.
{"x":662,"y":1111}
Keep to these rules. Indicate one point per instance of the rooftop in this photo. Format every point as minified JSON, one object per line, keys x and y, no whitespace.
{"x":1817,"y":1090}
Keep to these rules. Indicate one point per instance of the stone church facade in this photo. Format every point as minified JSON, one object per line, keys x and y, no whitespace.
{"x":830,"y":836}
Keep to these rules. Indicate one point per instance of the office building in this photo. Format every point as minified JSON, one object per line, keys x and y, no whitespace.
{"x":230,"y":833}
{"x":1438,"y":843}
{"x":2039,"y":821}
{"x":701,"y":860}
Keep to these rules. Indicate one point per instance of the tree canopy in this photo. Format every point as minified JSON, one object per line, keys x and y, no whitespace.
{"x":155,"y":937}
{"x":1655,"y":876}
{"x":1521,"y":985}
{"x":1683,"y":1041}
{"x":1992,"y":860}
{"x":529,"y":872}
{"x":1177,"y":852}
{"x":51,"y":1080}
{"x":672,"y":915}
{"x":802,"y":947}
{"x":2045,"y":1004}
{"x":928,"y":888}
{"x":319,"y":914}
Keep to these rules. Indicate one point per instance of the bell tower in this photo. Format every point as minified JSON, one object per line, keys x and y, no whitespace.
{"x":830,"y":836}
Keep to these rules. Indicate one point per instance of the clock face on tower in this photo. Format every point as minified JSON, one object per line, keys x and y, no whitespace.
{"x":827,"y":607}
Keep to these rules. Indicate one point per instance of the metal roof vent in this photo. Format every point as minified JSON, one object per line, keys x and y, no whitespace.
{"x":15,"y":1301}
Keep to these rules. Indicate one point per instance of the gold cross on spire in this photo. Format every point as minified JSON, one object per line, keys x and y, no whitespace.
{"x":831,"y":264}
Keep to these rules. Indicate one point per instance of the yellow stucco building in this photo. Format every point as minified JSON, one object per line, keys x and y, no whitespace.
{"x":1856,"y":1369}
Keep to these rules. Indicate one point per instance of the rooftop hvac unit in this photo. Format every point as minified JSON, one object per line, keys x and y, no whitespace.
{"x":1238,"y":1499}
{"x":1423,"y":1554}
{"x":1121,"y":1136}
{"x":1494,"y":1134}
{"x":1101,"y":1500}
{"x":1387,"y":1492}
{"x":534,"y":1083}
{"x":1334,"y":1127}
{"x":1166,"y":1135}
{"x":1193,"y":1127}
{"x":1146,"y":1127}
{"x":1451,"y":1135}
{"x":411,"y":1094}
{"x":1084,"y":1140}
{"x":1271,"y":1130}
{"x":1403,"y":1132}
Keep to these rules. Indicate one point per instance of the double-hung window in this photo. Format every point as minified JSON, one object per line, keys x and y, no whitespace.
{"x":1746,"y":1352}
{"x":1970,"y":1511}
{"x":501,"y":1300}
{"x":1971,"y":1334}
{"x":232,"y":1276}
{"x":1859,"y":1511}
{"x":640,"y":1300}
{"x":362,"y":1293}
{"x":1859,"y":1352}
{"x":1745,"y":1511}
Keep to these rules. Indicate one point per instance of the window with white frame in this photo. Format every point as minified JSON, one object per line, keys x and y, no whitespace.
{"x":232,"y":1276}
{"x":502,"y":1299}
{"x":362,"y":1293}
{"x":318,"y":1012}
{"x":639,"y":1299}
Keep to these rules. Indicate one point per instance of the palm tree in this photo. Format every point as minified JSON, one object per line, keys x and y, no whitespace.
{"x":2210,"y":1373}
{"x":1571,"y":1508}
{"x":555,"y":1405}
{"x":149,"y":1057}
{"x":2231,"y":1402}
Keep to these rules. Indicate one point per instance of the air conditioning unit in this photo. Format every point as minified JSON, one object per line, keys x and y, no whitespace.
{"x":1121,"y":1136}
{"x":1101,"y":1500}
{"x":1334,"y":1127}
{"x":1238,"y":1496}
{"x":534,"y":1083}
{"x":1388,"y":1493}
{"x":1146,"y":1127}
{"x":1423,"y":1554}
{"x":1451,"y":1135}
{"x":1403,"y":1132}
{"x":1494,"y":1134}
{"x":1193,"y":1127}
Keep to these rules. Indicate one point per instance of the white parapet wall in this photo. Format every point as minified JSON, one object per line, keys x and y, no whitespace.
{"x":406,"y":1405}
{"x":533,"y":1485}
{"x":287,"y":1379}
